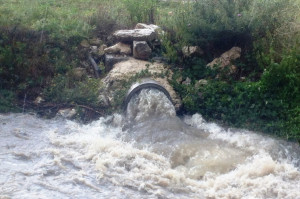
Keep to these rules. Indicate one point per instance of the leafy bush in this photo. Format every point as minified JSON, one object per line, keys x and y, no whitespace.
{"x":268,"y":99}
{"x":23,"y":60}
{"x":7,"y":100}
{"x":283,"y":79}
{"x":170,"y":50}
{"x":270,"y":104}
{"x":40,"y":40}
{"x":67,"y":91}
{"x":27,"y":63}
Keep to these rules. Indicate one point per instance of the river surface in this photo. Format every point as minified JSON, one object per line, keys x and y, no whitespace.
{"x":148,"y":153}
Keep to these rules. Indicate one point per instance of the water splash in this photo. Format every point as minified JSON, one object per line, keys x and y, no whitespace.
{"x":159,"y":156}
{"x":148,"y":104}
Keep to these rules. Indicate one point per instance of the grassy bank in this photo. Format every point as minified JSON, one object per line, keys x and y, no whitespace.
{"x":264,"y":92}
{"x":40,"y":49}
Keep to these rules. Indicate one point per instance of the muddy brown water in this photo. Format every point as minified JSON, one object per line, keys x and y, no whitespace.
{"x":149,"y":154}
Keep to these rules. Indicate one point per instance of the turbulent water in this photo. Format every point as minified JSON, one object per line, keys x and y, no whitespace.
{"x":149,"y":153}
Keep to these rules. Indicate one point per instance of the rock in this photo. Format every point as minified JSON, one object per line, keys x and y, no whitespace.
{"x":187,"y":81}
{"x":135,"y":35}
{"x":233,"y":69}
{"x":112,"y":50}
{"x":103,"y":99}
{"x":67,"y":113}
{"x":94,"y":50}
{"x":84,"y":43}
{"x":141,"y":50}
{"x":111,"y":60}
{"x":189,"y":51}
{"x":101,"y":50}
{"x":159,"y":59}
{"x":158,"y":31}
{"x":79,"y":73}
{"x":145,"y":26}
{"x":119,"y":48}
{"x":95,"y":42}
{"x":126,"y":69}
{"x":38,"y":100}
{"x":226,"y":58}
{"x":201,"y":82}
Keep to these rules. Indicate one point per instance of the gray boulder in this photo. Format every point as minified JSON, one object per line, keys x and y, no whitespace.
{"x":226,"y":58}
{"x":187,"y":81}
{"x":38,"y":100}
{"x":67,"y":113}
{"x":84,"y":43}
{"x":145,"y":26}
{"x":112,"y":59}
{"x":101,"y":49}
{"x":135,"y":35}
{"x":201,"y":82}
{"x":95,"y":42}
{"x":93,"y":50}
{"x":189,"y":51}
{"x":119,"y":48}
{"x":141,"y":50}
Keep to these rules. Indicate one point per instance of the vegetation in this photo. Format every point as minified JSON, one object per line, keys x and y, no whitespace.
{"x":264,"y":93}
{"x":7,"y":100}
{"x":141,"y":10}
{"x":60,"y":19}
{"x":270,"y":104}
{"x":40,"y":46}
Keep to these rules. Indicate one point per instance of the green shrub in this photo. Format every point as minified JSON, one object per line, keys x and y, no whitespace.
{"x":270,"y":104}
{"x":170,"y":50}
{"x":292,"y":125}
{"x":65,"y":90}
{"x":283,"y":79}
{"x":28,"y":63}
{"x":23,"y":60}
{"x":7,"y":101}
{"x":268,"y":99}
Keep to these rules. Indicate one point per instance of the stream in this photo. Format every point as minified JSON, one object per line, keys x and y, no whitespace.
{"x":149,"y":152}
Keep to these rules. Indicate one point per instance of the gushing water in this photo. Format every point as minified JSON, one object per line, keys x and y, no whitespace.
{"x":149,"y":153}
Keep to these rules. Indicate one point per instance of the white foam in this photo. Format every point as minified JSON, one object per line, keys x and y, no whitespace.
{"x":64,"y":159}
{"x":149,"y":103}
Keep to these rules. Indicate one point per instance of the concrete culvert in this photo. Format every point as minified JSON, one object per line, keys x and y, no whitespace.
{"x":144,"y":84}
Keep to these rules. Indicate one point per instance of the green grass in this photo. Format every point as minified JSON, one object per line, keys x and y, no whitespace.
{"x":39,"y":45}
{"x":61,"y":19}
